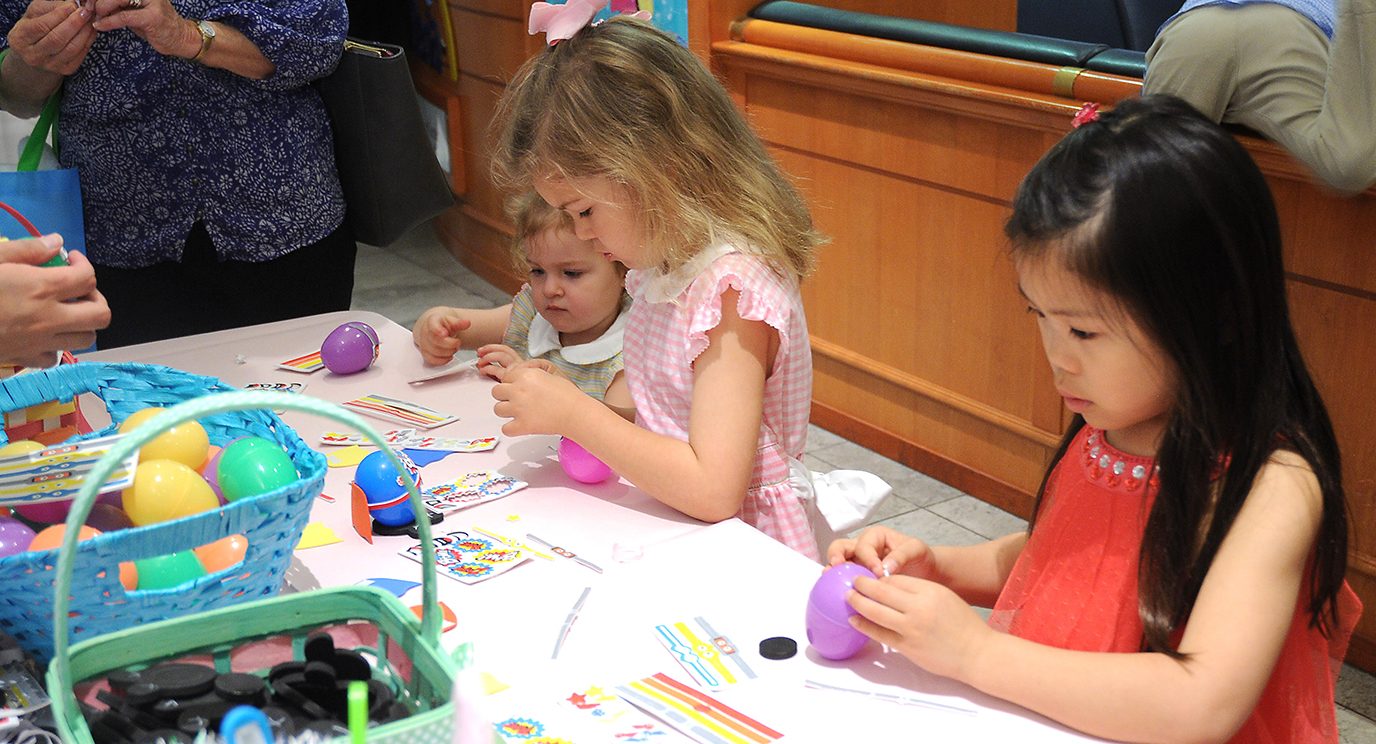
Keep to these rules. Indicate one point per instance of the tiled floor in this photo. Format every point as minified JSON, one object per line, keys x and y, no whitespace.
{"x":416,"y":273}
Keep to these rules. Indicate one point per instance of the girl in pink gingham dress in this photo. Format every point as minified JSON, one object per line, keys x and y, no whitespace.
{"x":667,"y":330}
{"x":632,"y":137}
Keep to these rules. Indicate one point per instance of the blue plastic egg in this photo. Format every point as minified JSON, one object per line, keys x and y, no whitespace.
{"x":383,"y":487}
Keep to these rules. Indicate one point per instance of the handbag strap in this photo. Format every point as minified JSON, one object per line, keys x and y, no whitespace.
{"x":47,"y":121}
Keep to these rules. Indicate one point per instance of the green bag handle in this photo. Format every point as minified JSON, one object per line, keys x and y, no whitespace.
{"x":47,"y":122}
{"x":194,"y":409}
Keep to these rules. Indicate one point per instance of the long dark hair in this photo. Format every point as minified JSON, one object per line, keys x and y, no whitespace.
{"x":1165,"y":212}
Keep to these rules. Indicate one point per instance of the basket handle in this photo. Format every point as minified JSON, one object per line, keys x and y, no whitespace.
{"x":205,"y":406}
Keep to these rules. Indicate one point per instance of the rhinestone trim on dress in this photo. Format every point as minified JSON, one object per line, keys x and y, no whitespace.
{"x":1113,"y":468}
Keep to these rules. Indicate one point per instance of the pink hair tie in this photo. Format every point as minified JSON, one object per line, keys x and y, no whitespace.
{"x":1087,"y":113}
{"x":559,"y":22}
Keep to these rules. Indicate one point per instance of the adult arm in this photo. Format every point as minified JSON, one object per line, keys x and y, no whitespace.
{"x":47,"y":43}
{"x":46,"y":309}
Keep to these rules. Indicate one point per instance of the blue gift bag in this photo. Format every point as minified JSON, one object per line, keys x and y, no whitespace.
{"x":49,"y":201}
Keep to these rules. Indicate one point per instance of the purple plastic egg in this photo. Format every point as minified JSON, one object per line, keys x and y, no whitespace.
{"x":350,"y":348}
{"x":15,"y":536}
{"x":828,"y":616}
{"x":580,"y":464}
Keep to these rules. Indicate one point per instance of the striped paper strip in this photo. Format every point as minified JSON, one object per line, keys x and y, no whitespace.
{"x":699,"y":716}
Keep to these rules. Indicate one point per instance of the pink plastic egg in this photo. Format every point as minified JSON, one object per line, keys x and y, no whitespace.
{"x":580,"y":464}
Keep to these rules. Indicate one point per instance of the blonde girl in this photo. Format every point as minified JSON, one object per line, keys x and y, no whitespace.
{"x":626,"y":131}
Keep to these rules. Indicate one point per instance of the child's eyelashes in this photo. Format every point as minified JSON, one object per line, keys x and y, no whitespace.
{"x":1075,"y":332}
{"x":586,"y":213}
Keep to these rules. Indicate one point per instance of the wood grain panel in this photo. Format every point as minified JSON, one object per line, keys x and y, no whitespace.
{"x":984,"y":159}
{"x":1327,"y":237}
{"x":513,"y":9}
{"x":492,"y":47}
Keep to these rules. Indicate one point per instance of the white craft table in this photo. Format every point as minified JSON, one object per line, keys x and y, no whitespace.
{"x":748,"y":586}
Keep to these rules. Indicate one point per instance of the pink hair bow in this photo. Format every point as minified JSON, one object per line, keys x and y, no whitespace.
{"x":559,"y":22}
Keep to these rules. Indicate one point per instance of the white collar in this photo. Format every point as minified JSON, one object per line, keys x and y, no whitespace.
{"x":663,"y":286}
{"x":543,"y":338}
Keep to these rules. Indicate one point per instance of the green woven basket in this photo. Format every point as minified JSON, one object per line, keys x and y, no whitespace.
{"x":424,"y":684}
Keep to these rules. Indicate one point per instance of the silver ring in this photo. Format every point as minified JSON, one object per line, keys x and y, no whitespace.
{"x":134,"y":4}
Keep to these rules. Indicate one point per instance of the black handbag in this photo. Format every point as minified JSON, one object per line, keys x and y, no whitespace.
{"x":387,"y":167}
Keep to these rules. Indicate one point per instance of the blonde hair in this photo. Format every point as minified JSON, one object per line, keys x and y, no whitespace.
{"x":533,"y":216}
{"x":624,"y":101}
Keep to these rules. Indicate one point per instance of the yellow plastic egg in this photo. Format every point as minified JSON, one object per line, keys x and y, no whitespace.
{"x":164,"y":490}
{"x":186,"y":443}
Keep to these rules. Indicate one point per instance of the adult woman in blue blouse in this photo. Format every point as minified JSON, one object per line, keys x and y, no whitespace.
{"x":206,"y":160}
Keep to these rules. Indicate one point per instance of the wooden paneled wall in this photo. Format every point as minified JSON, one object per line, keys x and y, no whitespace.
{"x":909,"y":157}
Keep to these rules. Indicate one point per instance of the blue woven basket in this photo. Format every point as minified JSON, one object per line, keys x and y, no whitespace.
{"x":272,"y":522}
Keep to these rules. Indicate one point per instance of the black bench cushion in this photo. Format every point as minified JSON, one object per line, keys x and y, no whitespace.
{"x":1028,"y":47}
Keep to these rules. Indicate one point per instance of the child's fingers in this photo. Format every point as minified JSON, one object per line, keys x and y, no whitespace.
{"x":840,"y":550}
{"x":453,"y":324}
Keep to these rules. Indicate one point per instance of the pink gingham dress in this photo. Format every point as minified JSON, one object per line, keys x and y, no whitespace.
{"x":667,"y":330}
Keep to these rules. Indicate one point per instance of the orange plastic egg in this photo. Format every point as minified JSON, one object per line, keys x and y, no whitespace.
{"x":222,"y":553}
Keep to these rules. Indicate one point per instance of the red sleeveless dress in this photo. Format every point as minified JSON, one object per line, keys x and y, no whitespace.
{"x":1075,"y":586}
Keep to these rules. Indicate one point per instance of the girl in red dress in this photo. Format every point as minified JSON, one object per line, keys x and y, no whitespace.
{"x":1182,"y":577}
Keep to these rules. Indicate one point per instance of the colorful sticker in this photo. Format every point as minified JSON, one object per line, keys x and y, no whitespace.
{"x":305,"y":364}
{"x":468,"y":490}
{"x":412,"y":439}
{"x":704,"y":653}
{"x":56,"y":473}
{"x":399,"y":411}
{"x":468,"y":557}
{"x":694,"y":713}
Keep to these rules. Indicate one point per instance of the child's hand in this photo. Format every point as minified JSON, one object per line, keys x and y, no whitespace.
{"x":885,"y":551}
{"x":536,"y":400}
{"x":437,"y":334}
{"x":921,"y":619}
{"x":495,"y":360}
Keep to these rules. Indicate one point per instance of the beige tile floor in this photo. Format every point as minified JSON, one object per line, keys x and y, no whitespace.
{"x":403,"y":280}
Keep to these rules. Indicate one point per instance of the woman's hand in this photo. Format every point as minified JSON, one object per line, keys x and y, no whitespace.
{"x":46,"y":309}
{"x":536,"y":399}
{"x":885,"y":551}
{"x":154,"y":21}
{"x":920,"y":619}
{"x":53,"y":35}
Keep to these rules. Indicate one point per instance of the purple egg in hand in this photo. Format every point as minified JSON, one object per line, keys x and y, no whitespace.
{"x":828,"y":615}
{"x":580,"y":464}
{"x":350,"y":348}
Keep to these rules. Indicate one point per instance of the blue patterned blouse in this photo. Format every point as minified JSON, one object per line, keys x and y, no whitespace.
{"x":163,"y":142}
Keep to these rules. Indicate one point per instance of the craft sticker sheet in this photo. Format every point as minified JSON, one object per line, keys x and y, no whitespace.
{"x":585,"y":714}
{"x":694,"y":713}
{"x":612,"y":718}
{"x":57,"y":473}
{"x":469,"y":490}
{"x":469,"y":557}
{"x":709,"y":657}
{"x":399,"y":411}
{"x":412,"y":439}
{"x":278,"y":387}
{"x":305,"y":364}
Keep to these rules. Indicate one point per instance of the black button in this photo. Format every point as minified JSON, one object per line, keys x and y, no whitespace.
{"x":778,"y":647}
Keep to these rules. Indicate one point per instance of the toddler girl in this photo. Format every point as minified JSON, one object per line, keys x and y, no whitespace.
{"x":628,"y":133}
{"x":1182,"y":579}
{"x":571,"y":313}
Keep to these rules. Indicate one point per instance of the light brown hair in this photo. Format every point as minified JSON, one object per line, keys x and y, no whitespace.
{"x":624,"y":101}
